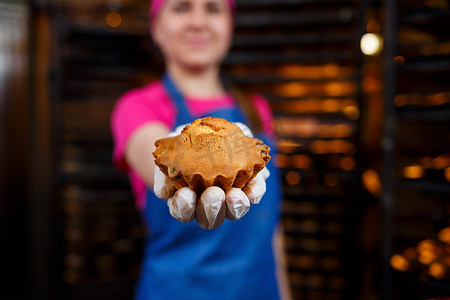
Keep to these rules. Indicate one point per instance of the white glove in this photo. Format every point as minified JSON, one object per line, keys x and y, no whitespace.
{"x":213,"y":205}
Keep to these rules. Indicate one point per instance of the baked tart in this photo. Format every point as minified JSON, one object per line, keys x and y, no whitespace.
{"x":211,"y":152}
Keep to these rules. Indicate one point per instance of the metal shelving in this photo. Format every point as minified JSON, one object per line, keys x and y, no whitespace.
{"x":303,"y":56}
{"x":417,"y":157}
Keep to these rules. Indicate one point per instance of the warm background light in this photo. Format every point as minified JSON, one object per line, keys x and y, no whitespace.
{"x":372,"y":181}
{"x":113,"y":19}
{"x":371,"y":44}
{"x":292,"y":178}
{"x":399,"y":262}
{"x":282,"y":160}
{"x":413,"y":172}
{"x":437,"y":270}
{"x":301,"y":161}
{"x":440,"y":162}
{"x":444,"y":235}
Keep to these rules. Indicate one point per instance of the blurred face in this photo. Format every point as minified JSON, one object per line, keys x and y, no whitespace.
{"x":193,"y":34}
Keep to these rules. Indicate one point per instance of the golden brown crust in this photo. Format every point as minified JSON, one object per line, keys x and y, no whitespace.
{"x":211,"y":151}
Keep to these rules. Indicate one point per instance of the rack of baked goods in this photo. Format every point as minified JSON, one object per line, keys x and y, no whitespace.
{"x":418,"y":211}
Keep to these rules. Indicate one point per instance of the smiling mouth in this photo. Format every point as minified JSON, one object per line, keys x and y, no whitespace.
{"x":197,"y":44}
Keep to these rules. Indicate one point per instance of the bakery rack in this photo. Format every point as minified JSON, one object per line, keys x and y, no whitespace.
{"x":302,"y":55}
{"x":416,"y":150}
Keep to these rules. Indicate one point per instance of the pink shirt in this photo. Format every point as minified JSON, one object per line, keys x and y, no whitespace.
{"x":151,"y":103}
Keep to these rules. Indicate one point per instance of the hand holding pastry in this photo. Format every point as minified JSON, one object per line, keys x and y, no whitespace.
{"x":211,"y":171}
{"x":210,"y":210}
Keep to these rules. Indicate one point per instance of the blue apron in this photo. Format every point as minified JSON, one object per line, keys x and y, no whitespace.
{"x":182,"y":261}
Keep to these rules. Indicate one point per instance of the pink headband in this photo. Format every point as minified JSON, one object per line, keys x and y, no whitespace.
{"x":155,"y":7}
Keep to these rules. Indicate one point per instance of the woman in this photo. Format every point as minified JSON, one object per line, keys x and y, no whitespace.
{"x":183,"y":260}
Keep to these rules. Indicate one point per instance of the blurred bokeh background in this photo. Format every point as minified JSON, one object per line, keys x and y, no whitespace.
{"x":360,"y":90}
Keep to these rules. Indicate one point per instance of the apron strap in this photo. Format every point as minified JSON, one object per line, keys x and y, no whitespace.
{"x":232,"y":115}
{"x":183,"y":114}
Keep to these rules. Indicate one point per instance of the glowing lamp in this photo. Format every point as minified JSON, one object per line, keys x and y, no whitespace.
{"x":371,"y":44}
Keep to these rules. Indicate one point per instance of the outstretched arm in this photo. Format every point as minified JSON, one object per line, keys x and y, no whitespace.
{"x":138,"y":152}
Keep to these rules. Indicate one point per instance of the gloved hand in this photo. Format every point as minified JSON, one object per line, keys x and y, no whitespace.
{"x":213,"y":205}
